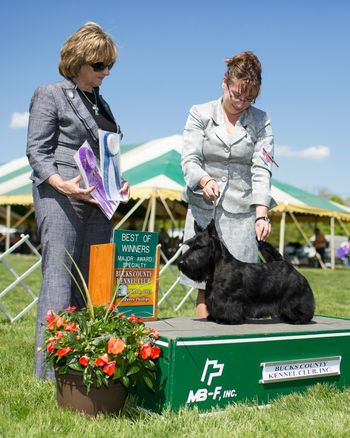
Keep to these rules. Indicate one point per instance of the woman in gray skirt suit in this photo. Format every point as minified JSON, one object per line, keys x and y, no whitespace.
{"x":62,"y":116}
{"x":227,"y":160}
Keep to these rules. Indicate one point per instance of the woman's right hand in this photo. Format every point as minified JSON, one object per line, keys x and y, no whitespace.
{"x":72,"y":188}
{"x":210,"y":188}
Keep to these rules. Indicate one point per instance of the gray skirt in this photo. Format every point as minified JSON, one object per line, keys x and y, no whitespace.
{"x":236,"y":231}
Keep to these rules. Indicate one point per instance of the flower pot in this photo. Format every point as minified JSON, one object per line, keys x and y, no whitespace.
{"x":71,"y":392}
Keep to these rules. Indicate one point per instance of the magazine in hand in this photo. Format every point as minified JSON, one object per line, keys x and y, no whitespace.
{"x":90,"y":172}
{"x":109,"y":143}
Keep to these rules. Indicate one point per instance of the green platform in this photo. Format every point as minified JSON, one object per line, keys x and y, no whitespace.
{"x":206,"y":364}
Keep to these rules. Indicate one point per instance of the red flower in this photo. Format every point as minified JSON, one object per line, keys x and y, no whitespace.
{"x":64,"y":351}
{"x":102,"y":360}
{"x":71,"y":309}
{"x":133,"y":318}
{"x":110,"y":306}
{"x":59,"y":335}
{"x":70,"y":327}
{"x":121,"y":315}
{"x":84,"y":360}
{"x":50,"y":347}
{"x":115,"y":346}
{"x":49,"y":313}
{"x":146,"y":351}
{"x":109,"y":368}
{"x":155,"y":352}
{"x":154,"y":334}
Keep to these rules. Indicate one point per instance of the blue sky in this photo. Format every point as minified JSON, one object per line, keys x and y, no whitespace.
{"x":171,"y":56}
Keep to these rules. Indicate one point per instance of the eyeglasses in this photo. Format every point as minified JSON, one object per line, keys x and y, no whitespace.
{"x":237,"y":96}
{"x":100,"y":66}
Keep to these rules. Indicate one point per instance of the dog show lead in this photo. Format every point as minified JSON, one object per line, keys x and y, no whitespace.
{"x":227,"y":161}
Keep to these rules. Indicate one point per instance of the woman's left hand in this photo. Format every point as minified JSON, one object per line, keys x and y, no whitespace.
{"x":262,"y":229}
{"x":125,"y":190}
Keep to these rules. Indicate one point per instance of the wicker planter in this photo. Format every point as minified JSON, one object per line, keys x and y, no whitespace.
{"x":71,"y":393}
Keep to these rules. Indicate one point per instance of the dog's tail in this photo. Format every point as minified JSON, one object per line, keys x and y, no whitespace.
{"x":268,"y":252}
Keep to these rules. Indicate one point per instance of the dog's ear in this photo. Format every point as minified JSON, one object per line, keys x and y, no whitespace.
{"x":197,"y":228}
{"x":212,"y":229}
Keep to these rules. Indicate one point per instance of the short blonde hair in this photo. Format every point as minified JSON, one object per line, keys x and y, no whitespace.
{"x":87,"y":45}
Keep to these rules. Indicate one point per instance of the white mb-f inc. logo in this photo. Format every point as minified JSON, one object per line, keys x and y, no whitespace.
{"x":212,"y":368}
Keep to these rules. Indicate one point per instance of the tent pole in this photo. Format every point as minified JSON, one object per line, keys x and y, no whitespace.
{"x":282,"y":232}
{"x":323,"y":266}
{"x":341,"y":223}
{"x":8,"y":224}
{"x":129,"y":213}
{"x":23,"y":218}
{"x":332,"y":244}
{"x":152,"y":218}
{"x":167,"y":209}
{"x":147,"y":214}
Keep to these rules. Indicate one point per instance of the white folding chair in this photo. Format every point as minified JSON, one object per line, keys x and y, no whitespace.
{"x":166,"y":294}
{"x":19,"y":279}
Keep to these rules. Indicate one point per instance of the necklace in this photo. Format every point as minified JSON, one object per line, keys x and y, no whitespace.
{"x":94,"y":105}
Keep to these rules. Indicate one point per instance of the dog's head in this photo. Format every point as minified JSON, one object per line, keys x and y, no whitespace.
{"x":198,"y":260}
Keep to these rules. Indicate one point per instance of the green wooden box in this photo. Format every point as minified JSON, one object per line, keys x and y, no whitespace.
{"x":209,"y":365}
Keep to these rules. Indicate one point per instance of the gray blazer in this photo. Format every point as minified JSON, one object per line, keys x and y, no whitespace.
{"x":59,"y":123}
{"x":241,"y":165}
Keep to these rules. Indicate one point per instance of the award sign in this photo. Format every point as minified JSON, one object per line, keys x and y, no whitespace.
{"x":136,"y":268}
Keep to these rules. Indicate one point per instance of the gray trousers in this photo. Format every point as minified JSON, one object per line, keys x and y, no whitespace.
{"x":63,"y":223}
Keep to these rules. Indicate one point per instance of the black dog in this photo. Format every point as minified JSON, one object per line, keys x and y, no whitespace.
{"x":237,"y":290}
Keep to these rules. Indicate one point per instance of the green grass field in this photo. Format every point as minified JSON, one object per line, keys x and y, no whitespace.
{"x":28,"y":406}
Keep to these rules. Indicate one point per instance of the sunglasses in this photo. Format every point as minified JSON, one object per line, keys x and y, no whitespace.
{"x":100,"y":66}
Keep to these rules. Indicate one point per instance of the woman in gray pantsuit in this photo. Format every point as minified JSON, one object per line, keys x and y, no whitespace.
{"x":227,"y":159}
{"x":62,"y":116}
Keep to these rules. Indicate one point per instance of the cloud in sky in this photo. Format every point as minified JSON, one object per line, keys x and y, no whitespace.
{"x":19,"y":120}
{"x":313,"y":153}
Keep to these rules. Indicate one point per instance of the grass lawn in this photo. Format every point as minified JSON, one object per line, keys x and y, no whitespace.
{"x":28,"y":406}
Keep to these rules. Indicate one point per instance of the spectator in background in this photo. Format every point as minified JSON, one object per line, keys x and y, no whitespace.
{"x":343,"y":252}
{"x":320,"y":244}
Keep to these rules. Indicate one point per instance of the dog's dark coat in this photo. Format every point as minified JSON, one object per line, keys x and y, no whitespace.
{"x":237,"y":290}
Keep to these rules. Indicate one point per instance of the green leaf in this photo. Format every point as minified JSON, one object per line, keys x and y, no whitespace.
{"x":125,"y":381}
{"x":133,"y":370}
{"x":148,"y":381}
{"x":76,"y":366}
{"x":150,"y":365}
{"x":117,"y":373}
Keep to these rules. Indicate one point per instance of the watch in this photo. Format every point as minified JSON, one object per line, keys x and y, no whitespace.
{"x":264,"y":218}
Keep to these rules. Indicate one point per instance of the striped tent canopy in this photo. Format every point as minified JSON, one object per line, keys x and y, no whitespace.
{"x":153,"y":169}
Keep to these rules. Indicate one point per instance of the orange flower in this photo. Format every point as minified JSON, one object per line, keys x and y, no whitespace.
{"x":70,"y":327}
{"x":84,"y":360}
{"x":59,"y":335}
{"x":102,"y":360}
{"x":115,"y":346}
{"x":146,"y":351}
{"x":64,"y":351}
{"x":109,"y":368}
{"x":55,"y":322}
{"x":155,"y":352}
